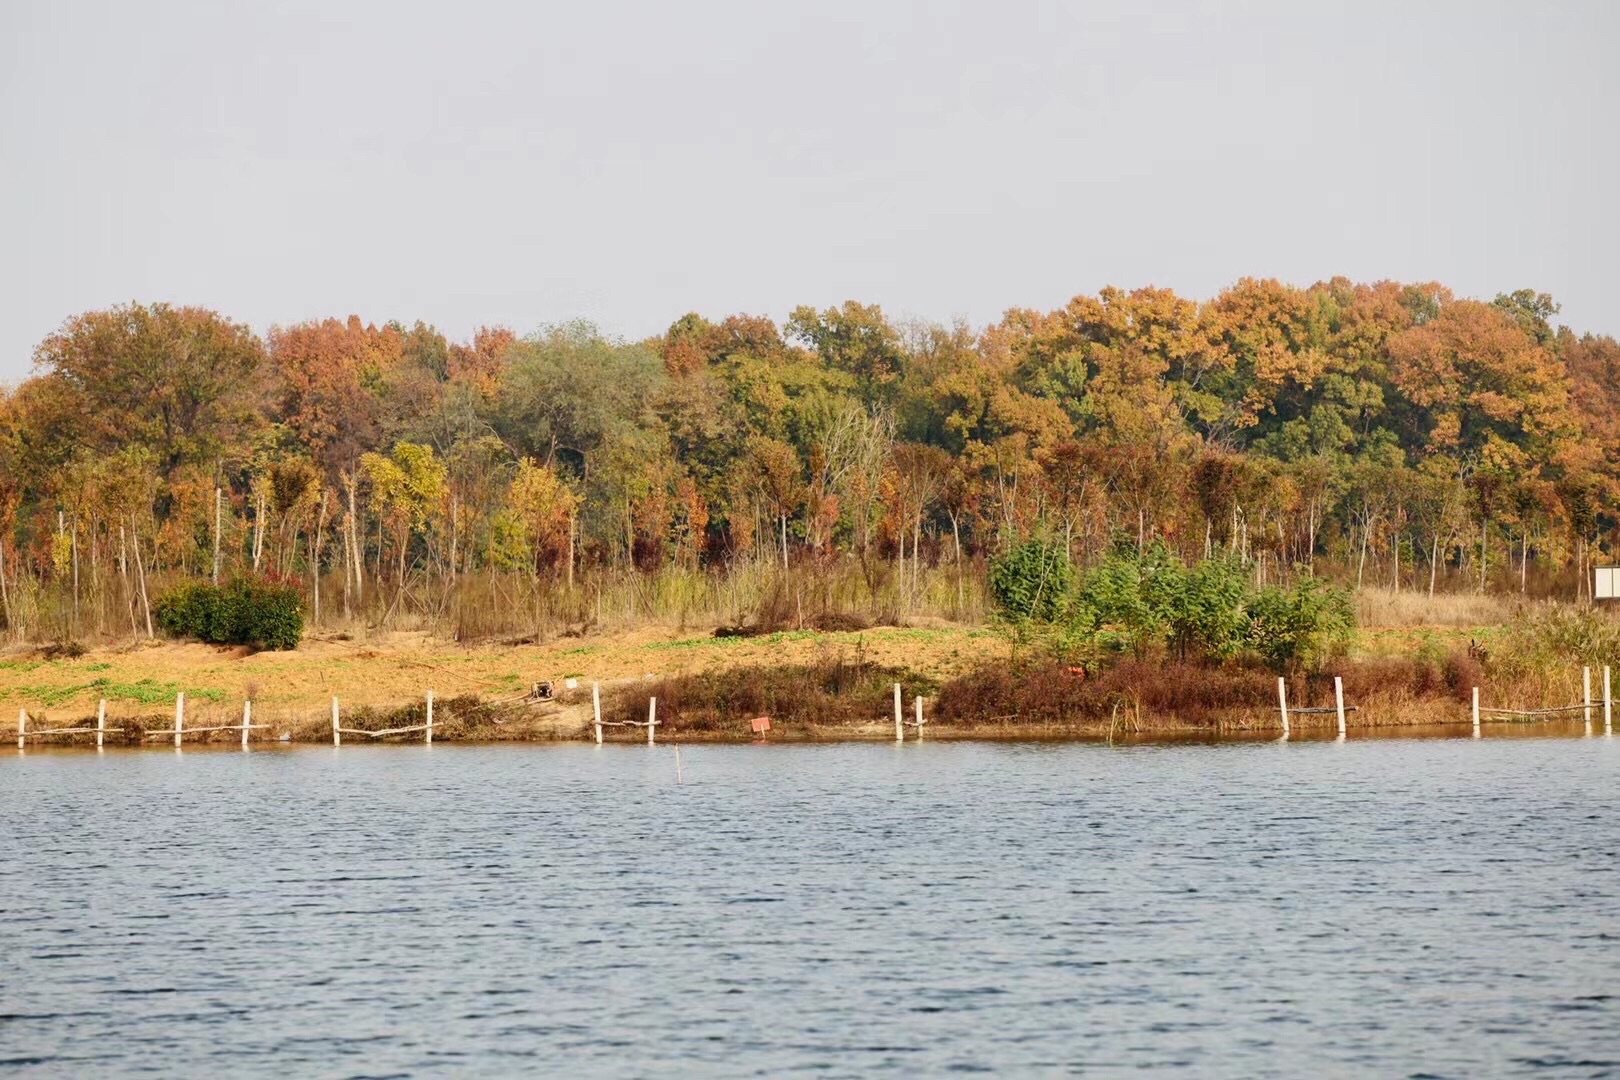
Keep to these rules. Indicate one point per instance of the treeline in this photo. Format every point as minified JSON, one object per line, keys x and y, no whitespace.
{"x":1383,"y":433}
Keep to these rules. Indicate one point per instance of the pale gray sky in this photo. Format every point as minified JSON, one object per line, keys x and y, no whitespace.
{"x":520,"y":162}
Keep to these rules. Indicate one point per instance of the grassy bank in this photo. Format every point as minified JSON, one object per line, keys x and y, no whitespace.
{"x":813,"y":683}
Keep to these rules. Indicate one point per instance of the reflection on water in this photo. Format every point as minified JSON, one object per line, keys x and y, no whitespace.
{"x":1378,"y":907}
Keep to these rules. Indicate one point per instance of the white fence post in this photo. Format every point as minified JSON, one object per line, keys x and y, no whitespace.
{"x":1586,"y":697}
{"x":1338,"y":701}
{"x":1282,"y":702}
{"x":101,"y":722}
{"x":596,"y":709}
{"x":428,"y":734}
{"x":247,"y":720}
{"x":899,"y":723}
{"x":179,"y":716}
{"x":337,"y":737}
{"x":918,"y":702}
{"x":1608,"y":704}
{"x":22,"y":727}
{"x":652,"y":718}
{"x":1476,"y":712}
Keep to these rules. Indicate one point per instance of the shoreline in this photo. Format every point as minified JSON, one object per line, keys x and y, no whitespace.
{"x":1032,"y":735}
{"x":816,"y":686}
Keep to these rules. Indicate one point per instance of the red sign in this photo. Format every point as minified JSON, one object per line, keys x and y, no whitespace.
{"x":761,"y":724}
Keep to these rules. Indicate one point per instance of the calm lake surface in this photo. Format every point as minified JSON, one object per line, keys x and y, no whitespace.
{"x":1436,"y":907}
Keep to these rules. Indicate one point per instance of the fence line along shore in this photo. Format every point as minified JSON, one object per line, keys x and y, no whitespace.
{"x":759,"y":726}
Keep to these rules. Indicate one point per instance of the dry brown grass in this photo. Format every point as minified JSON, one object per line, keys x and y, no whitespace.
{"x":389,"y":670}
{"x":1385,"y":608}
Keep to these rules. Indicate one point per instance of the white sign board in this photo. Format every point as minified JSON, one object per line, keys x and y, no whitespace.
{"x":1606,"y":583}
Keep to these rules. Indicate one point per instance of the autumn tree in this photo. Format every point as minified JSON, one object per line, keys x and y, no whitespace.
{"x":183,"y":382}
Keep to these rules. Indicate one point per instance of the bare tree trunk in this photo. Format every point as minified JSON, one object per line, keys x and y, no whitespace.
{"x":350,"y":482}
{"x":571,"y":529}
{"x":455,"y":534}
{"x":95,"y":570}
{"x":5,"y":592}
{"x":956,"y":539}
{"x":75,"y":542}
{"x":1310,"y":550}
{"x":916,"y":546}
{"x":348,"y":570}
{"x":258,"y":530}
{"x":140,"y":572}
{"x":1580,"y":570}
{"x":1360,"y":565}
{"x":1524,"y":559}
{"x":218,"y":499}
{"x":1484,"y":538}
{"x":123,"y":572}
{"x":315,"y":545}
{"x":900,"y":569}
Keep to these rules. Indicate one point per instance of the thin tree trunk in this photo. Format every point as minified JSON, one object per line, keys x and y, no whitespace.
{"x":956,"y":540}
{"x":1524,"y":559}
{"x":455,"y":527}
{"x":900,"y":569}
{"x":75,"y":542}
{"x":258,"y":530}
{"x":123,"y":573}
{"x":1310,"y":551}
{"x":1484,"y":538}
{"x":95,"y":570}
{"x":315,"y":545}
{"x":218,"y":499}
{"x":916,"y":546}
{"x":348,"y":567}
{"x":140,"y":573}
{"x":1361,"y":564}
{"x":350,"y":483}
{"x":5,"y":592}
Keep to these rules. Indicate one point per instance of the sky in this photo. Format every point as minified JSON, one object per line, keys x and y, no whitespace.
{"x":521,"y":163}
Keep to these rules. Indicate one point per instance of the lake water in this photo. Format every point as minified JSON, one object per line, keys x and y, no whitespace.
{"x":1439,"y":907}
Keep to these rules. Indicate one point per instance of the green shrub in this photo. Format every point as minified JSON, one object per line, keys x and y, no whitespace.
{"x":1208,"y":611}
{"x":247,"y":611}
{"x":1031,"y":582}
{"x":1303,"y":625}
{"x":1150,"y":597}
